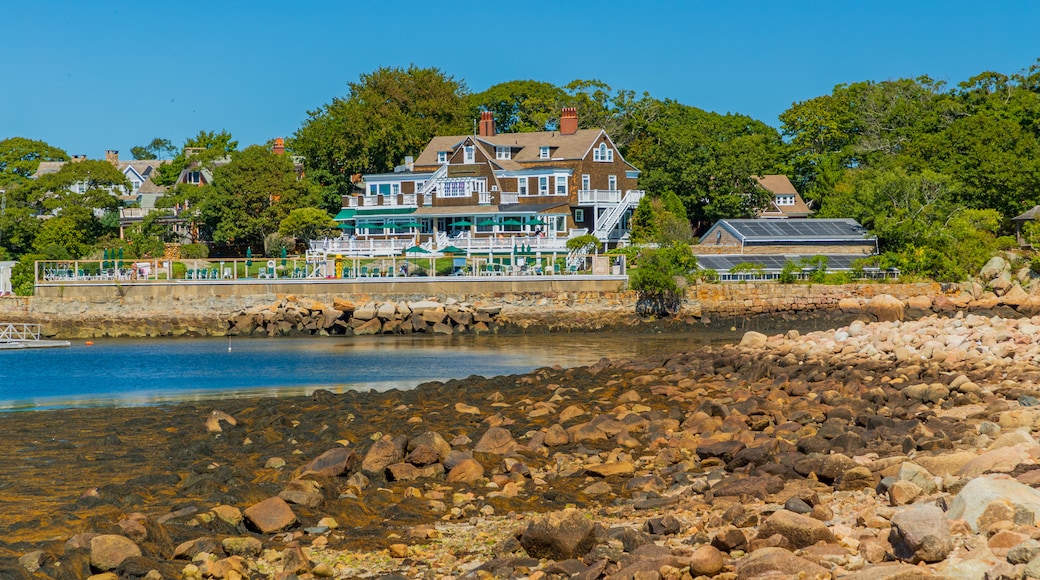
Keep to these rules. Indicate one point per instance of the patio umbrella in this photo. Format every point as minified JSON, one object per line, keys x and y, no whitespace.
{"x":283,"y":256}
{"x":487,"y":223}
{"x":417,"y":250}
{"x":345,"y":226}
{"x":512,"y":222}
{"x":452,"y":250}
{"x":460,"y":224}
{"x":119,"y":264}
{"x":535,"y":222}
{"x":410,"y":225}
{"x":249,"y":259}
{"x":370,"y":227}
{"x":104,"y":260}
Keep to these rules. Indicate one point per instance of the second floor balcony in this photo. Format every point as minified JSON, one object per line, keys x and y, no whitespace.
{"x":595,"y":196}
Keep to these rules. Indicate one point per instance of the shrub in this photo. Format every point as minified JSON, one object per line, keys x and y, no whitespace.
{"x":1034,"y":265}
{"x":586,"y":241}
{"x":749,"y":270}
{"x":195,"y":251}
{"x":661,"y":279}
{"x":789,"y":273}
{"x":274,"y":243}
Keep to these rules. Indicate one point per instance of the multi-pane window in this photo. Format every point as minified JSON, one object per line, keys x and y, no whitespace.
{"x":442,"y":157}
{"x":561,"y":185}
{"x":470,"y":154}
{"x":521,"y":185}
{"x":586,"y":182}
{"x":579,"y":215}
{"x":612,"y":182}
{"x":503,"y":152}
{"x":543,"y":152}
{"x":543,"y":185}
{"x":603,"y":153}
{"x":785,"y":200}
{"x":193,"y":177}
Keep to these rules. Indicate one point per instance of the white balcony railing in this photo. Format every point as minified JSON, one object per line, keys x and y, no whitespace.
{"x":408,"y":199}
{"x":485,"y":198}
{"x":586,"y":196}
{"x":353,"y":201}
{"x":505,"y":198}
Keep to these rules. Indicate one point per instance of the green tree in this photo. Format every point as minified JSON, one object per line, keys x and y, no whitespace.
{"x":21,"y":157}
{"x":521,"y":106}
{"x":662,"y":277}
{"x":661,"y":219}
{"x":708,"y":160}
{"x":158,"y":149}
{"x":250,"y":196}
{"x":308,"y":223}
{"x":86,"y":185}
{"x":385,"y":115}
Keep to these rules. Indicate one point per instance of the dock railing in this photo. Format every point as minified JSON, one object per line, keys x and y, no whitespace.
{"x":18,"y":332}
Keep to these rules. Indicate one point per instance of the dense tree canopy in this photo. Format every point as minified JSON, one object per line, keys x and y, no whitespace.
{"x":158,"y":149}
{"x":20,"y":157}
{"x":385,"y":115}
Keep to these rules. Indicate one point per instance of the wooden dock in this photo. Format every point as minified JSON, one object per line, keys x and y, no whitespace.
{"x":18,"y":336}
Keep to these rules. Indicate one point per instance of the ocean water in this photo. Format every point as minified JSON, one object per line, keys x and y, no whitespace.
{"x":122,"y":372}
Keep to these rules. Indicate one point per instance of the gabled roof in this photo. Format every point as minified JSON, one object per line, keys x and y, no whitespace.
{"x":525,"y":146}
{"x":764,"y":231}
{"x":776,"y":184}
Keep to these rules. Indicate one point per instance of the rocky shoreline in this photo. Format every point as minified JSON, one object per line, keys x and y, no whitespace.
{"x":877,"y":450}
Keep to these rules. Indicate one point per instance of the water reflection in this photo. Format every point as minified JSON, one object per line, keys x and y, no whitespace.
{"x":156,"y":371}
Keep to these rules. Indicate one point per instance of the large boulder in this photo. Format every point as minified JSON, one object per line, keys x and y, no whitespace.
{"x":496,"y":440}
{"x":974,"y":497}
{"x":107,"y":551}
{"x":920,"y":533}
{"x":334,"y":462}
{"x":382,"y":453}
{"x":271,"y":515}
{"x":993,"y":268}
{"x":801,"y":531}
{"x":886,"y":308}
{"x":778,"y":563}
{"x":559,"y":535}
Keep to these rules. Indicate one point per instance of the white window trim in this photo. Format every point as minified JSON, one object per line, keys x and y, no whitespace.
{"x":785,"y":200}
{"x":503,"y":152}
{"x":470,"y":154}
{"x":560,"y":180}
{"x":543,"y":185}
{"x":544,"y":152}
{"x":579,"y":215}
{"x":521,"y":185}
{"x":442,"y":157}
{"x":603,"y":154}
{"x":612,"y":182}
{"x":586,"y":182}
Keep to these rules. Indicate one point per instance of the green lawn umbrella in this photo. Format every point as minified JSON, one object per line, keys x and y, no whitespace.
{"x":452,"y":250}
{"x":283,"y":256}
{"x":119,"y":264}
{"x":417,"y":250}
{"x":487,"y":223}
{"x":512,"y":222}
{"x":104,"y":259}
{"x":249,"y":258}
{"x":410,"y":225}
{"x":460,"y":224}
{"x":535,"y":222}
{"x":370,"y":227}
{"x":345,"y":226}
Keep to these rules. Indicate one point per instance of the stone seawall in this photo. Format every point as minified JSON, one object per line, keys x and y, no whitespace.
{"x":176,"y":313}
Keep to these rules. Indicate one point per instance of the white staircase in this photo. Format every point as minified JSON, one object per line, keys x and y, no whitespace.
{"x":608,"y":222}
{"x":431,"y":183}
{"x":576,"y":258}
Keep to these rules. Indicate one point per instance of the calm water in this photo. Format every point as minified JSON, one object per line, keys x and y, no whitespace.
{"x":154,"y":371}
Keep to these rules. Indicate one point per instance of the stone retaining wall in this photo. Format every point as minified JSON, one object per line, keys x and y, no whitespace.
{"x":114,"y":312}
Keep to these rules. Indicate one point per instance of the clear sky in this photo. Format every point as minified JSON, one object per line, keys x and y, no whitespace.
{"x":87,"y":76}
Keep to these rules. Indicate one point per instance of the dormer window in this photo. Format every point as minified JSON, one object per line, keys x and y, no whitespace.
{"x":785,"y":200}
{"x":470,"y":153}
{"x":442,"y":157}
{"x":603,"y":153}
{"x":543,"y":152}
{"x":503,"y":152}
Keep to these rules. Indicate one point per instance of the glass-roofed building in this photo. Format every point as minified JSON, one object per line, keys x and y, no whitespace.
{"x":770,"y":244}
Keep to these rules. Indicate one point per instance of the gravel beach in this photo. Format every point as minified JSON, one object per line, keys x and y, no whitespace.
{"x":879,"y":450}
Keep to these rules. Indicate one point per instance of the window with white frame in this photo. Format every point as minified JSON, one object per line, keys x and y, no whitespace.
{"x":785,"y":200}
{"x":470,"y":152}
{"x":543,"y":152}
{"x":194,"y":177}
{"x":442,"y":157}
{"x":561,"y":185}
{"x":395,"y":188}
{"x":603,"y":153}
{"x":521,"y":185}
{"x":561,"y":223}
{"x":453,"y":188}
{"x":586,"y":182}
{"x":579,"y":215}
{"x":503,"y":152}
{"x":612,"y":182}
{"x":543,"y":185}
{"x":373,"y":189}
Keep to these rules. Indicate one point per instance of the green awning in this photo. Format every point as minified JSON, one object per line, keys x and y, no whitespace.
{"x":376,"y":211}
{"x":345,"y":214}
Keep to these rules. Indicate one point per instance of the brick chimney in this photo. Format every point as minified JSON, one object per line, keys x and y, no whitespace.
{"x":279,"y":146}
{"x":78,"y":158}
{"x":112,"y":156}
{"x":569,"y":121}
{"x":487,"y":124}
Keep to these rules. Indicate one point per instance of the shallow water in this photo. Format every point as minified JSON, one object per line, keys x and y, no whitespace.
{"x":123,"y":372}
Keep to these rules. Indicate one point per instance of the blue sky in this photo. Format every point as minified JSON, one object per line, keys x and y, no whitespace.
{"x":91,"y":76}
